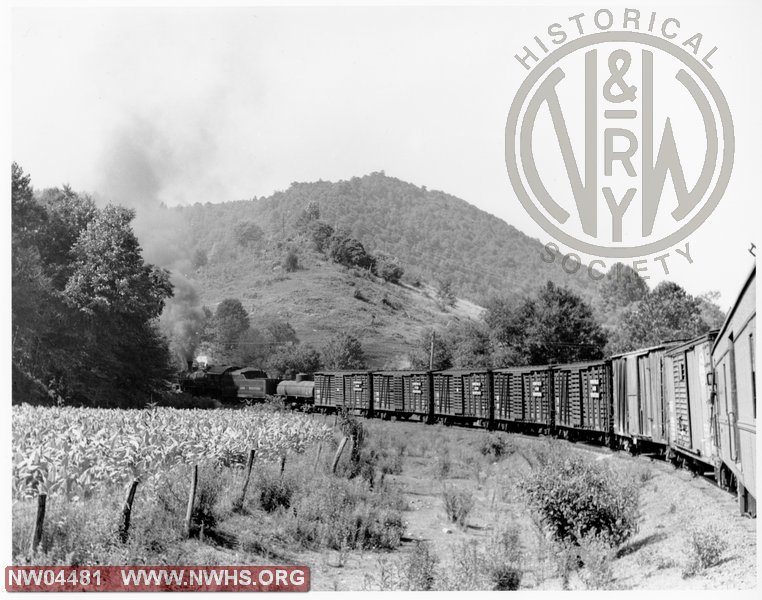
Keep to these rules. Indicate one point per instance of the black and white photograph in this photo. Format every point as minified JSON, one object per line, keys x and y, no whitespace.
{"x":382,"y":298}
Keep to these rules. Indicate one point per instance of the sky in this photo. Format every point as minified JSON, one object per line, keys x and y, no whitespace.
{"x":209,"y":105}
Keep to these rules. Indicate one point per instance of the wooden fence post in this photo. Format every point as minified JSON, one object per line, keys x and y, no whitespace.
{"x":238,"y":505}
{"x":191,"y":502}
{"x":39,"y":522}
{"x":337,"y":456}
{"x":282,"y":464}
{"x":124,"y":527}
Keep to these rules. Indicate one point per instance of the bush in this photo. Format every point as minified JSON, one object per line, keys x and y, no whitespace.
{"x":389,"y":269}
{"x":292,"y":359}
{"x":274,"y":491}
{"x":338,"y":514}
{"x":577,"y":498}
{"x":291,"y":261}
{"x":458,"y":505}
{"x":350,"y":253}
{"x":596,"y":557}
{"x":705,"y":549}
{"x":505,"y":557}
{"x":321,"y":235}
{"x":343,"y":351}
{"x":420,"y":574}
{"x":415,"y":572}
{"x":497,"y":446}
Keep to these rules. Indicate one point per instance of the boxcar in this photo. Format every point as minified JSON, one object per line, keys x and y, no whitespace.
{"x":523,"y":398}
{"x":639,"y":406}
{"x":402,"y":394}
{"x":687,"y":385}
{"x":733,"y":356}
{"x":252,"y":384}
{"x":582,"y":399}
{"x":462,"y":395}
{"x":352,"y":390}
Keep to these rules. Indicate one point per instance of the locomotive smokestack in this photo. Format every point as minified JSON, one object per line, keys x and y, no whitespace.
{"x":190,"y":366}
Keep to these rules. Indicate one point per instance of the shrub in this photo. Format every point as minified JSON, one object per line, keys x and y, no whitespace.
{"x":389,"y":269}
{"x":576,"y":498}
{"x":292,"y":359}
{"x":291,"y":261}
{"x":596,"y":557}
{"x":705,"y":549}
{"x":350,"y":252}
{"x":458,"y":504}
{"x":337,"y":513}
{"x":496,"y":446}
{"x":420,"y":571}
{"x":247,"y":233}
{"x":321,"y":234}
{"x":343,"y":351}
{"x":505,"y":557}
{"x":274,"y":491}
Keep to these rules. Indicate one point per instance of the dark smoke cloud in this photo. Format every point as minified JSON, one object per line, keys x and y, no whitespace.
{"x":144,"y":167}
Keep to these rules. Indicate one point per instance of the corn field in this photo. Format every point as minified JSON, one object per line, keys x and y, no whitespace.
{"x":73,"y":452}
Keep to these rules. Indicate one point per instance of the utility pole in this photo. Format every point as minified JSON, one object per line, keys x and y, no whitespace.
{"x":431,"y":352}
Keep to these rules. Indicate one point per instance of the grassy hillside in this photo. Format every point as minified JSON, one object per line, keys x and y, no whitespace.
{"x":434,"y":235}
{"x":323,"y":298}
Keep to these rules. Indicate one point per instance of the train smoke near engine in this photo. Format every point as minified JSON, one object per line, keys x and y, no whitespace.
{"x":141,"y":168}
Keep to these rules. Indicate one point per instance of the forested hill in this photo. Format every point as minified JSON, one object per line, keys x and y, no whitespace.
{"x":432,"y":234}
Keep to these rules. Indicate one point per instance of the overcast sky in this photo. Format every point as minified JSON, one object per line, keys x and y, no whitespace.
{"x":214,"y":105}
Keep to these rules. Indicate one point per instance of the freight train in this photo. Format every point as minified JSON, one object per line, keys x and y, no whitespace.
{"x":693,"y":402}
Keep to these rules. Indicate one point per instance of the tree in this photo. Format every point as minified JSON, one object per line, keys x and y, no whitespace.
{"x":68,"y":215}
{"x":420,"y":355}
{"x":321,"y":235}
{"x":622,"y":286}
{"x":469,"y":344}
{"x":118,"y":299}
{"x":85,"y":304}
{"x":309,"y":215}
{"x":292,"y":359}
{"x":247,"y":233}
{"x":554,"y":326}
{"x":389,"y":269}
{"x":711,"y":313}
{"x":350,"y":252}
{"x":27,"y":215}
{"x":230,"y":321}
{"x":343,"y":351}
{"x":667,"y":312}
{"x":108,"y":272}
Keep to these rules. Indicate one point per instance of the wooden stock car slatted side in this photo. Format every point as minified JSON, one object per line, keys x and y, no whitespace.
{"x":687,"y":370}
{"x":508,"y":396}
{"x":529,"y":395}
{"x":402,"y":392}
{"x":582,"y":395}
{"x":640,"y":409}
{"x":463,"y":393}
{"x":344,"y":389}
